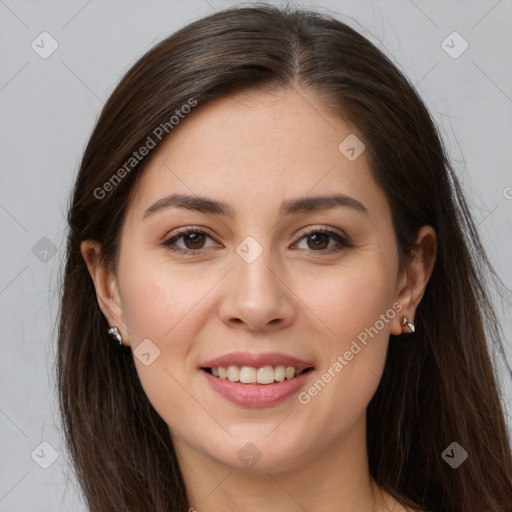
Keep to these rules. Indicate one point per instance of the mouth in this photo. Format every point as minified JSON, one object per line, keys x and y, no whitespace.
{"x":262,"y":375}
{"x":250,"y":379}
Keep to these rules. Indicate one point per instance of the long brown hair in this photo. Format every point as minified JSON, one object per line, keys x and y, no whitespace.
{"x":438,"y":387}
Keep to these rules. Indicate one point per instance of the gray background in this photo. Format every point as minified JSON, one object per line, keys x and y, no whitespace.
{"x":48,"y":108}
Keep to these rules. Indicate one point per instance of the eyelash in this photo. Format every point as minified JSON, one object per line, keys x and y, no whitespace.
{"x":325,"y":231}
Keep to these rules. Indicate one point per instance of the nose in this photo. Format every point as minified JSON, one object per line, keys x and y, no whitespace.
{"x":257,"y":297}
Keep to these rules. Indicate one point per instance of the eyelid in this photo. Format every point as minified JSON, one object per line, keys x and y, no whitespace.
{"x":187,"y":229}
{"x":321,"y":229}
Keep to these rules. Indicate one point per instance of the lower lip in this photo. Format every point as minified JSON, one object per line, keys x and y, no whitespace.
{"x":256,"y":395}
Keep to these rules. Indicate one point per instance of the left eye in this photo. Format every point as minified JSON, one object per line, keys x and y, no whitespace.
{"x":320,"y":235}
{"x":194,"y":240}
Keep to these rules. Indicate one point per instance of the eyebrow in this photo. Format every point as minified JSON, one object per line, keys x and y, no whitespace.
{"x":291,"y":206}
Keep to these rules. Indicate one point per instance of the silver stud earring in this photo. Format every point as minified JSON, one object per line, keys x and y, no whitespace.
{"x":115,"y":335}
{"x":407,"y":324}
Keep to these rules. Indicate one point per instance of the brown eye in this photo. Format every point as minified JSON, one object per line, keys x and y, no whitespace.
{"x":318,"y":240}
{"x":193,"y":240}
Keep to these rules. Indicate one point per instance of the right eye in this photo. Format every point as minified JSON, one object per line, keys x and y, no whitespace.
{"x":198,"y":238}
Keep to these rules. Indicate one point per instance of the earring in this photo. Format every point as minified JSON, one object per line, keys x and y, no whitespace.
{"x":115,"y":335}
{"x":406,"y":323}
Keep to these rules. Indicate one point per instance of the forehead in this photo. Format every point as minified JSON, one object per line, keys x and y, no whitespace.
{"x":255,"y":150}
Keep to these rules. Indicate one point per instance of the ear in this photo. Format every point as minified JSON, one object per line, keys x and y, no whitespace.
{"x":414,"y":277}
{"x":105,"y":283}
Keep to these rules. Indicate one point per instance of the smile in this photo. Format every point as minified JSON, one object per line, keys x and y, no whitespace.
{"x":252,"y":379}
{"x":256,"y":375}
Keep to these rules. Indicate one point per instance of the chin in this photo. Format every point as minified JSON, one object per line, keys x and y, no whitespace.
{"x":261,"y":448}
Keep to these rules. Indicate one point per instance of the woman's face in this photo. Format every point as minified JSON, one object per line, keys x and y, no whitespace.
{"x":260,"y":286}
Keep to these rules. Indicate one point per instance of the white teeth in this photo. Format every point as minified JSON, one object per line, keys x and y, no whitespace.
{"x":280,"y":373}
{"x":248,"y":374}
{"x":251,"y":375}
{"x":233,"y":373}
{"x":290,"y":372}
{"x":265,"y":375}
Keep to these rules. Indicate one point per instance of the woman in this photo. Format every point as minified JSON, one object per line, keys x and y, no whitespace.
{"x":266,"y":226}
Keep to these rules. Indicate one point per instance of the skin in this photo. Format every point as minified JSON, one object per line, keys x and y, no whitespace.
{"x":253,"y":151}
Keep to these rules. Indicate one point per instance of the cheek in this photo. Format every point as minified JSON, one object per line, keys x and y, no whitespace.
{"x":158,"y":299}
{"x":350,"y":300}
{"x":166,"y":307}
{"x":355,"y":309}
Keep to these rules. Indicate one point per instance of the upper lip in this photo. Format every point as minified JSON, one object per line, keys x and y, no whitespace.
{"x":256,"y":360}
